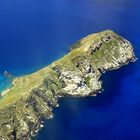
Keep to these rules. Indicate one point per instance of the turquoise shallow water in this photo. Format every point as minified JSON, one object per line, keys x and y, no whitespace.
{"x":4,"y":83}
{"x":35,"y":33}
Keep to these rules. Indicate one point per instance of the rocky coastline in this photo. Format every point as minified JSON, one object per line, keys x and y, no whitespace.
{"x":32,"y":98}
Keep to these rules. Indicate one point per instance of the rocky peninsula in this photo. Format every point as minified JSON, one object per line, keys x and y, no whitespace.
{"x":32,"y":97}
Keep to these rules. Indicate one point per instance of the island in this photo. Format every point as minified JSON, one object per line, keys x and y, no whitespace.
{"x":31,"y":99}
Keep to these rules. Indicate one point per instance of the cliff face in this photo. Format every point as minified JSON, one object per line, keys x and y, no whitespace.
{"x":32,"y":97}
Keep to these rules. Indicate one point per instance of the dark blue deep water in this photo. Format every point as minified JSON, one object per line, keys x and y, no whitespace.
{"x":34,"y":33}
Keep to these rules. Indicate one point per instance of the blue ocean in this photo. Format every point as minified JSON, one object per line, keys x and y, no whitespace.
{"x":34,"y":33}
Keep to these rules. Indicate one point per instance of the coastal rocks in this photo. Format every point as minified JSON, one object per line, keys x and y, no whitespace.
{"x":80,"y":83}
{"x":24,"y":119}
{"x":7,"y":74}
{"x":74,"y":84}
{"x":32,"y":98}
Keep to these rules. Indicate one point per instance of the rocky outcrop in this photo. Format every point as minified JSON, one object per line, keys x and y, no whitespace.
{"x":76,"y":74}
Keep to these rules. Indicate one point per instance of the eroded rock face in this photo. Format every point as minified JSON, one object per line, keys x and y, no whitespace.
{"x":77,"y":74}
